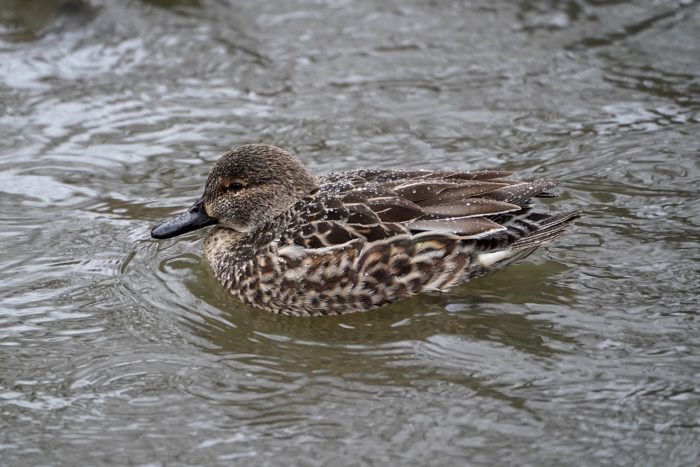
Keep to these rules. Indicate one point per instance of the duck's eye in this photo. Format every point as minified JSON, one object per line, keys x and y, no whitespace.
{"x":232,"y":184}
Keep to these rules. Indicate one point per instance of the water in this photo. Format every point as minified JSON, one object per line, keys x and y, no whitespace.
{"x":117,"y":349}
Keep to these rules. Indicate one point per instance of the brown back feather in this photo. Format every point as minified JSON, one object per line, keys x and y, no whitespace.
{"x":376,"y":204}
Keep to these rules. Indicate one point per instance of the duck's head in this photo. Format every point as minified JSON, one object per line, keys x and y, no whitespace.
{"x":247,"y":187}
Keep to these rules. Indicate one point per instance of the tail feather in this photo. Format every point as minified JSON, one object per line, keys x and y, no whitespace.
{"x":550,"y":229}
{"x":523,"y":234}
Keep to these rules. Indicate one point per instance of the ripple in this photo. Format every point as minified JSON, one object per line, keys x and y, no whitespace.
{"x":113,"y":345}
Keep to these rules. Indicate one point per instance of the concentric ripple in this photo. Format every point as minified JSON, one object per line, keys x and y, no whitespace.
{"x":115,"y":348}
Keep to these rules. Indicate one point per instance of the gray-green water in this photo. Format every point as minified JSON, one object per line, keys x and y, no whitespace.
{"x":117,"y":349}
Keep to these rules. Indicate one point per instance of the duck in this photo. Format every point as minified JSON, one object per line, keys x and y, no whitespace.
{"x":292,"y":243}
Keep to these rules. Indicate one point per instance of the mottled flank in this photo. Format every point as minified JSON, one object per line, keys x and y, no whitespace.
{"x":352,"y":241}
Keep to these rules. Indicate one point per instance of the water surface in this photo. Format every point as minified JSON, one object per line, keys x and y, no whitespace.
{"x":118,"y":349}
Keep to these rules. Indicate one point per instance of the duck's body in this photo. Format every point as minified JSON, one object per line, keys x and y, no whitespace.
{"x":352,"y":241}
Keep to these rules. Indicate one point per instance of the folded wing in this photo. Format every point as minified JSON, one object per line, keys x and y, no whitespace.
{"x":371,"y":205}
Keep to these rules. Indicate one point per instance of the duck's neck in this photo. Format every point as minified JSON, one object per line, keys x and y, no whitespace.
{"x":221,"y":249}
{"x":227,"y":250}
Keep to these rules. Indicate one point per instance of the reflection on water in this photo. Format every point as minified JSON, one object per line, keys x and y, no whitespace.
{"x":116,"y":347}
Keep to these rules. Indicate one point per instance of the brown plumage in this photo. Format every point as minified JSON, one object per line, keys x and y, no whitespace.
{"x":293,"y":244}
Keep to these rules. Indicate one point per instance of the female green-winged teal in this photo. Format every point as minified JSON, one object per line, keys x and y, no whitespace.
{"x":295,"y":244}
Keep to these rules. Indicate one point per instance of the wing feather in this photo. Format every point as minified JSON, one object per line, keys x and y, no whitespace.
{"x":464,"y":227}
{"x":471,"y":208}
{"x":377,"y":204}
